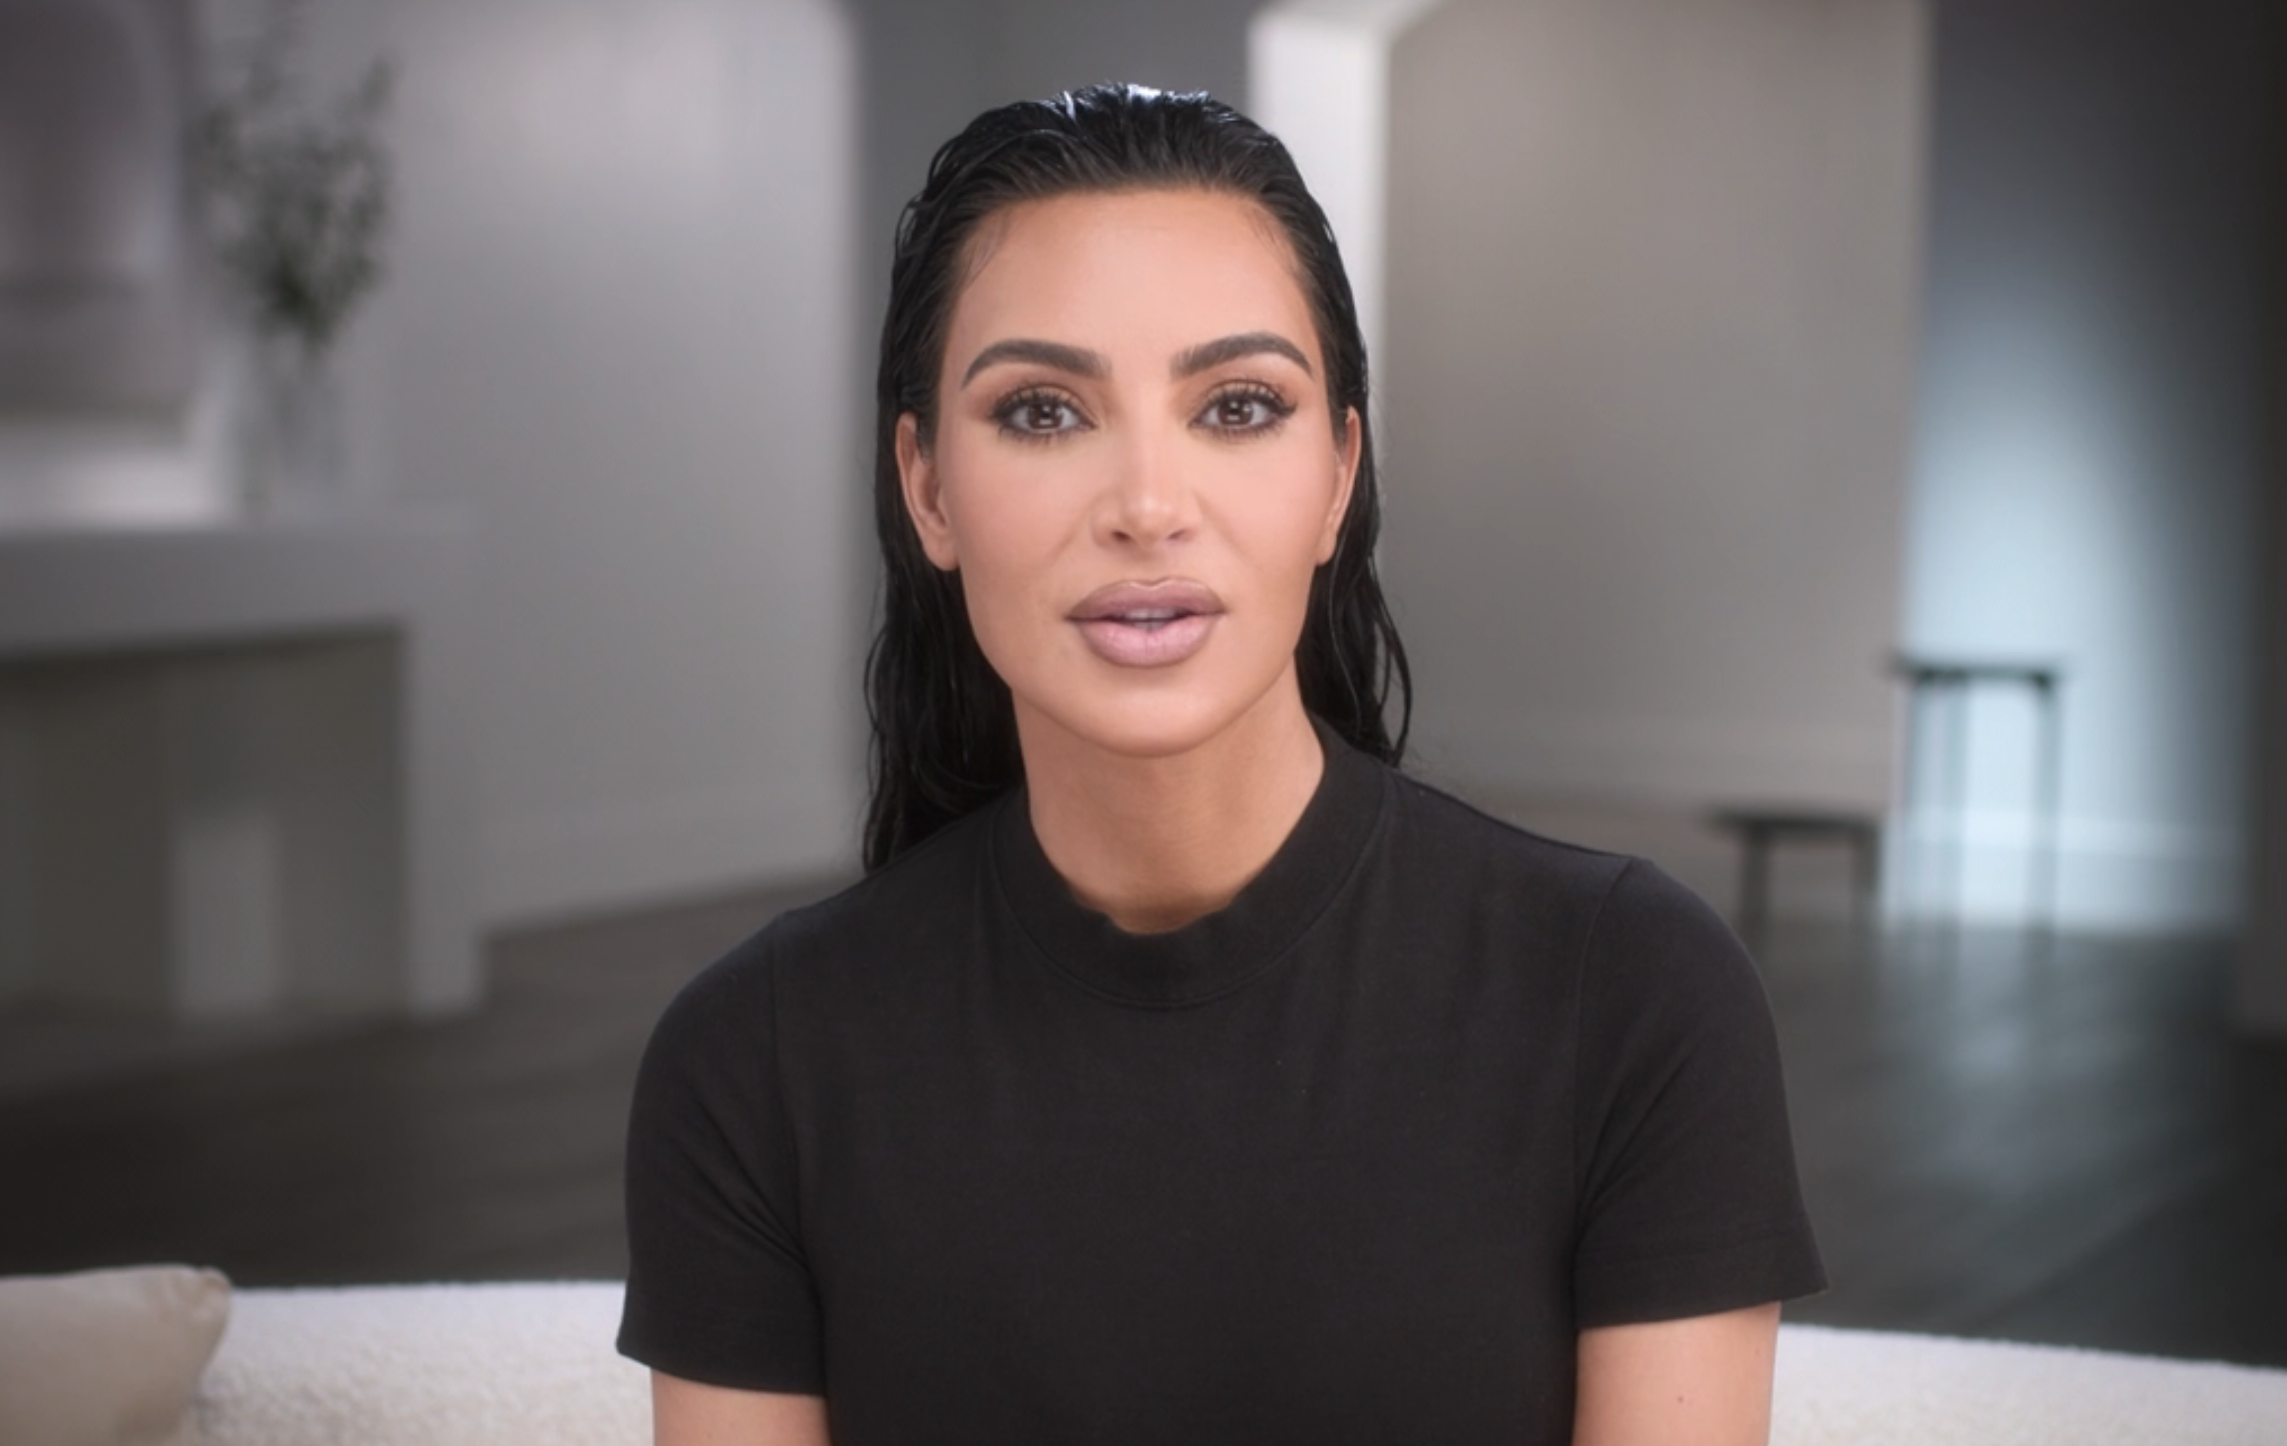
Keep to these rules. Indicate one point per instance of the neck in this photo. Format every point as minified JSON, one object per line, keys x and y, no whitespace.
{"x":1156,"y":842}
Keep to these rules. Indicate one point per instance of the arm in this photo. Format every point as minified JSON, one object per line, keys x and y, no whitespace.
{"x":1691,"y":1206}
{"x":1705,"y":1381}
{"x":718,"y":1284}
{"x":686,"y":1413}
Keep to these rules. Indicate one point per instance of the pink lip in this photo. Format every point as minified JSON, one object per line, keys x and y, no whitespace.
{"x":1147,"y":624}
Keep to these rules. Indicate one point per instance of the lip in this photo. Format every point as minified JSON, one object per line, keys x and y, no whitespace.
{"x":1147,"y":624}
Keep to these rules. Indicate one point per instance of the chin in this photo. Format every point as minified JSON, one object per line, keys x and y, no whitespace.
{"x":1127,"y":731}
{"x":1147,"y":723}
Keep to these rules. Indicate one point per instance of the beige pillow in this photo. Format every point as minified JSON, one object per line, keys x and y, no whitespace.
{"x":107,"y":1357}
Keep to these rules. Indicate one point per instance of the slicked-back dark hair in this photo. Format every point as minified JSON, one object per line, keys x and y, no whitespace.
{"x":944,"y":729}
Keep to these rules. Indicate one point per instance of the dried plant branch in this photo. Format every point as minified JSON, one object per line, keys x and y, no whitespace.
{"x":300,"y":203}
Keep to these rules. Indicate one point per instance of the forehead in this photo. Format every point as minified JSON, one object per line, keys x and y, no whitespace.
{"x":1146,"y":266}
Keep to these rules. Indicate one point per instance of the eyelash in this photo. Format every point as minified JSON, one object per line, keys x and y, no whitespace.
{"x":1012,"y":408}
{"x":1011,"y":411}
{"x":1276,"y":407}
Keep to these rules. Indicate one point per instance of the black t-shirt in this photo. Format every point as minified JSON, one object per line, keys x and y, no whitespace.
{"x":1352,"y":1159}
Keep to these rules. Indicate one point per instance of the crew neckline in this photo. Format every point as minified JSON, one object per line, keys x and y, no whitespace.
{"x":1218,"y":952}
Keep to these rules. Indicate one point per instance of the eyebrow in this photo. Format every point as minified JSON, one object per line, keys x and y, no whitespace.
{"x":1082,"y":362}
{"x":1210,"y":354}
{"x":1078,"y":360}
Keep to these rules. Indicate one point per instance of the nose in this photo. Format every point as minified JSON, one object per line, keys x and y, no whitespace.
{"x":1147,"y":500}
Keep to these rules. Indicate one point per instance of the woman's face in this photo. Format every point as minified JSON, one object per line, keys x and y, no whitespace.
{"x":1134,"y":469}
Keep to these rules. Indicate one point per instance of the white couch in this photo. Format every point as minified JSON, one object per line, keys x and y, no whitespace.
{"x":506,"y":1365}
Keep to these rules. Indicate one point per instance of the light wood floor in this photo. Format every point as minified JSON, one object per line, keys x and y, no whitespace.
{"x":2000,"y":1137}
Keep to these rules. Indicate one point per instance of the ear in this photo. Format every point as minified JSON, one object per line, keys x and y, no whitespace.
{"x":1345,"y":479}
{"x":924,"y":497}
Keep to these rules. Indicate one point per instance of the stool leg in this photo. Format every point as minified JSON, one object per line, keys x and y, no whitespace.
{"x":1754,"y":880}
{"x":1866,"y":846}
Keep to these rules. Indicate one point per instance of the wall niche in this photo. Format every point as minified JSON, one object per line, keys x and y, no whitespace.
{"x":97,"y":282}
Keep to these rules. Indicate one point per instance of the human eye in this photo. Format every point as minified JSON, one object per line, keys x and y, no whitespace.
{"x":1037,"y":414}
{"x":1245,"y":410}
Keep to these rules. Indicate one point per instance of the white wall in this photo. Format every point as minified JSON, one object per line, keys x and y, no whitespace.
{"x":616,"y":338}
{"x":1318,"y":78}
{"x":619,"y":328}
{"x":1653,"y":292}
{"x":2087,"y":442}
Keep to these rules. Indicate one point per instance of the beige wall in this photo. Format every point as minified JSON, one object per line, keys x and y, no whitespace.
{"x":1652,"y":313}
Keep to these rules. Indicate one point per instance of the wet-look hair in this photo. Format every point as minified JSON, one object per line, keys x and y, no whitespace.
{"x":944,"y":728}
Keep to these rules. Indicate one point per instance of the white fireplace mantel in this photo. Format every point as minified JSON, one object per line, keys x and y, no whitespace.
{"x":234,"y":768}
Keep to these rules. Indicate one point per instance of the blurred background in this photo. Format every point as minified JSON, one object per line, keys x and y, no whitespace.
{"x":1830,"y":447}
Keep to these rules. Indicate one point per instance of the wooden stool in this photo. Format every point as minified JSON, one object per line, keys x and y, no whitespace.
{"x":1762,"y":828}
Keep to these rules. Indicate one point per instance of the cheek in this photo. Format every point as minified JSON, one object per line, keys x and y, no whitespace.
{"x":1285,"y":515}
{"x":1007,"y":552}
{"x":1000,"y":527}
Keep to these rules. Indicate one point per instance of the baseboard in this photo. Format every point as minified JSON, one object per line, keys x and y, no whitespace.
{"x":2112,"y":875}
{"x":1658,"y":761}
{"x":579,"y":862}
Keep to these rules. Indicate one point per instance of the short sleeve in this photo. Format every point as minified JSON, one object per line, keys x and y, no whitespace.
{"x":718,"y":1289}
{"x":1684,"y":1163}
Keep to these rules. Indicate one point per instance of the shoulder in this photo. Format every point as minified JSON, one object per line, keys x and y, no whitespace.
{"x":1623,"y":922}
{"x":734,"y":1029}
{"x":1457,"y":847}
{"x":887,"y":921}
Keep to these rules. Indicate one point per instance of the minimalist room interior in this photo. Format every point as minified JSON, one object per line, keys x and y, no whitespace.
{"x":1831,"y":450}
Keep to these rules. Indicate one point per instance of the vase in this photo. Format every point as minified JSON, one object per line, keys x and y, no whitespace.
{"x":294,"y":458}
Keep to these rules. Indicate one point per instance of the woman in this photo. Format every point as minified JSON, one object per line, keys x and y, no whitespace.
{"x":1182,"y":1072}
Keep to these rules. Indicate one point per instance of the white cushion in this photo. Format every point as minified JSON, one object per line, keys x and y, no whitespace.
{"x":432,"y":1365}
{"x":507,"y":1365}
{"x":1877,"y":1388}
{"x":106,"y":1357}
